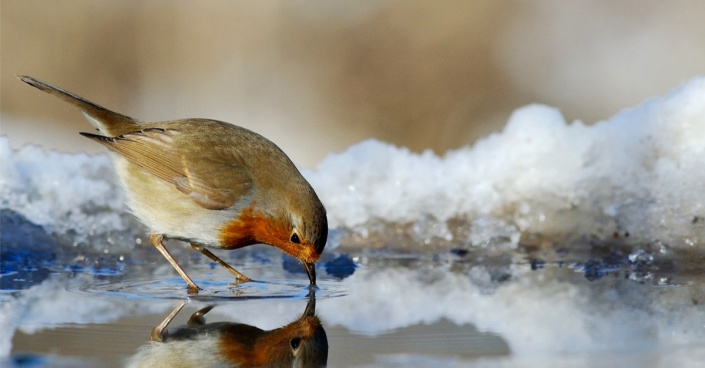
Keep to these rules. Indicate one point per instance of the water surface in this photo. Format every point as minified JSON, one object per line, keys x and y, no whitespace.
{"x":614,"y":305}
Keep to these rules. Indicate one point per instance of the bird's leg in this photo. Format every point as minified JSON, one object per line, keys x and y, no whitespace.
{"x":240,"y":277}
{"x":157,"y":334}
{"x":156,"y":240}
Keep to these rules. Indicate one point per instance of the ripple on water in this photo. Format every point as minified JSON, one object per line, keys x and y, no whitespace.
{"x":174,"y":288}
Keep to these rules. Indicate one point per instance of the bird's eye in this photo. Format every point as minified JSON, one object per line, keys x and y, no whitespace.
{"x":295,"y":238}
{"x":295,"y":342}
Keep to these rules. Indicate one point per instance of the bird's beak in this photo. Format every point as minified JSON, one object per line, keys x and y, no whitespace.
{"x":311,"y":271}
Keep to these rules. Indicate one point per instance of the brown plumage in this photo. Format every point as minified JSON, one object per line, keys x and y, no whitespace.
{"x":208,"y":183}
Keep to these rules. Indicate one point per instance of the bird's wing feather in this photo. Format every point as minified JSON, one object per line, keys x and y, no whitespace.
{"x":208,"y":172}
{"x":108,"y":122}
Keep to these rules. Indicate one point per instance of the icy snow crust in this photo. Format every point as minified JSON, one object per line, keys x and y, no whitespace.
{"x":640,"y":172}
{"x":74,"y":196}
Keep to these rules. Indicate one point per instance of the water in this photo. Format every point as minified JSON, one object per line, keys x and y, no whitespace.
{"x":614,"y":304}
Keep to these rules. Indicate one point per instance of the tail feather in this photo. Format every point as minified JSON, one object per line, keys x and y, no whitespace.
{"x":107,"y":122}
{"x":99,"y":138}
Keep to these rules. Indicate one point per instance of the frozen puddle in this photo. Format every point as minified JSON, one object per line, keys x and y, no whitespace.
{"x":549,"y":243}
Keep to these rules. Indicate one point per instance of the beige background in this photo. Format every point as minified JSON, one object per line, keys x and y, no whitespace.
{"x":318,"y":76}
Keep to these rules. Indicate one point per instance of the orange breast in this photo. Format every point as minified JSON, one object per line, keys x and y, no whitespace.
{"x":252,"y":228}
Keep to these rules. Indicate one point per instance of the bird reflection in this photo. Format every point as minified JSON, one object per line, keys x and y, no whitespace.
{"x":302,"y":343}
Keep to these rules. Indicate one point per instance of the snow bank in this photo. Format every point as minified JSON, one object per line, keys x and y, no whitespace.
{"x":641,"y":172}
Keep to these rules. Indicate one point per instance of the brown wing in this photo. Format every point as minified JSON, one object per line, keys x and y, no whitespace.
{"x":201,"y":166}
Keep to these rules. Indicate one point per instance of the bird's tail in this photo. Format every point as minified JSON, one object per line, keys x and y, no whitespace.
{"x":109,"y":123}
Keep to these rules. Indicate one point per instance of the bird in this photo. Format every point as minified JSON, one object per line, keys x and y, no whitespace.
{"x":302,"y":343}
{"x":207,"y":183}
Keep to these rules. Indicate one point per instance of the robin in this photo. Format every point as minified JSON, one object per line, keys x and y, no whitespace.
{"x":208,"y":183}
{"x":302,"y":343}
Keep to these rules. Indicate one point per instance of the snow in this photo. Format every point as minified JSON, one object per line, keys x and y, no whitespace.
{"x":640,"y":171}
{"x":64,"y":193}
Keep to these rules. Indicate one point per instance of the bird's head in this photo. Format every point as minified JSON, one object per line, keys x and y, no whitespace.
{"x":307,"y":231}
{"x":296,"y":223}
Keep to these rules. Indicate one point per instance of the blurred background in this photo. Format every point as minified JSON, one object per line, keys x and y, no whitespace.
{"x":318,"y":76}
